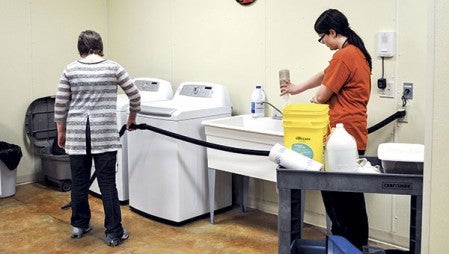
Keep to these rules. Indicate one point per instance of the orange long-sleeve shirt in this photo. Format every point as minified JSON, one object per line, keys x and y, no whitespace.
{"x":349,"y":77}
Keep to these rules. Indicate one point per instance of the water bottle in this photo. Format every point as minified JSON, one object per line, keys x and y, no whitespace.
{"x":284,"y":77}
{"x":341,"y":151}
{"x":257,"y":102}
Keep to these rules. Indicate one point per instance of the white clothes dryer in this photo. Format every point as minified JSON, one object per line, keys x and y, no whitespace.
{"x":150,"y":89}
{"x":168,"y":177}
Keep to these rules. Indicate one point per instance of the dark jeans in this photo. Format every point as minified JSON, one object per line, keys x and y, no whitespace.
{"x":347,"y":211}
{"x":105,"y":164}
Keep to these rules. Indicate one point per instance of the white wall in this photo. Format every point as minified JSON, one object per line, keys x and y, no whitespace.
{"x":38,"y":39}
{"x":240,"y":47}
{"x":436,"y":189}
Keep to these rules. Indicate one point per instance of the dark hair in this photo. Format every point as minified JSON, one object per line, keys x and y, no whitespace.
{"x":89,"y":42}
{"x":334,"y":19}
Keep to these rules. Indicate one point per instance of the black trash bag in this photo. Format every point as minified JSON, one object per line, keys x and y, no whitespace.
{"x":56,"y":150}
{"x":10,"y":154}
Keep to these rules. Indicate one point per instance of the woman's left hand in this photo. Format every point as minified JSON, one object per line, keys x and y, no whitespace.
{"x":289,"y":88}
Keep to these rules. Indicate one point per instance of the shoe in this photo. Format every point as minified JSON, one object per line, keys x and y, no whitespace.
{"x":79,"y":232}
{"x":114,"y":241}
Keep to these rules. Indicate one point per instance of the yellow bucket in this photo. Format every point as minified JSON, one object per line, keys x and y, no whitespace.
{"x":305,"y":129}
{"x":312,"y":112}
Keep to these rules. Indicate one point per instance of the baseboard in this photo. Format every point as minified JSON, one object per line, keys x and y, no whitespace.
{"x":30,"y":178}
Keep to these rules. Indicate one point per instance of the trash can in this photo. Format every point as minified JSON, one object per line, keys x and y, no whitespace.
{"x":10,"y":156}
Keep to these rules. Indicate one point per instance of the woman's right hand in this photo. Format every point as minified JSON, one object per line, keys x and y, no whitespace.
{"x":60,"y":127}
{"x":61,"y":139}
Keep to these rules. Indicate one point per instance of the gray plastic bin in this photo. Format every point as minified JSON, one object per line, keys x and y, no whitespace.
{"x":41,"y":130}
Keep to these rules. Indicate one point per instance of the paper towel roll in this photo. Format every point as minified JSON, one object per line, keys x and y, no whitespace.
{"x":287,"y":158}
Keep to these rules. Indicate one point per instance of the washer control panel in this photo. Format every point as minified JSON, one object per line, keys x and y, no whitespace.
{"x":147,"y":85}
{"x":197,"y":91}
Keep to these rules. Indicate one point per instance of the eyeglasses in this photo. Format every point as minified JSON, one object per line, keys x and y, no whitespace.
{"x":320,"y":40}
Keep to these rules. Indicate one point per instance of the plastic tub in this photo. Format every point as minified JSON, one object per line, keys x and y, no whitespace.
{"x":401,"y":158}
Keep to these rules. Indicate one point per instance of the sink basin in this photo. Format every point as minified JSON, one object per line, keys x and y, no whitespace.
{"x":246,"y":123}
{"x":244,"y":131}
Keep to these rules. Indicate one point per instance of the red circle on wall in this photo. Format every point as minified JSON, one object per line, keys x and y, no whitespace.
{"x":245,"y":2}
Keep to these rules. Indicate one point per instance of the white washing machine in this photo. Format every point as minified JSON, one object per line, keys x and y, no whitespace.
{"x":168,"y":177}
{"x":151,"y":89}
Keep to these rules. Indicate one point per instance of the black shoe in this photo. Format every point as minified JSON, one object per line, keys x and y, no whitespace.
{"x":114,"y":241}
{"x":79,"y":232}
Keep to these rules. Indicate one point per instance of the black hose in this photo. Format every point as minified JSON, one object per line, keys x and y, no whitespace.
{"x":196,"y":141}
{"x":399,"y":114}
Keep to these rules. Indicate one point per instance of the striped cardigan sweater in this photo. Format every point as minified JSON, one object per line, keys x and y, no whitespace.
{"x":88,"y":92}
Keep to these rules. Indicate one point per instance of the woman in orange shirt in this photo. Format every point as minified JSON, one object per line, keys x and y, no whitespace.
{"x":345,"y":85}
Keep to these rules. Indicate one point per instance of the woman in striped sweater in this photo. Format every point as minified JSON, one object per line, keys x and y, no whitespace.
{"x":85,"y":115}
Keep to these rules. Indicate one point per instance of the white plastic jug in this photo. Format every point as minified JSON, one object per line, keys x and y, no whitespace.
{"x":341,"y":151}
{"x":257,"y":102}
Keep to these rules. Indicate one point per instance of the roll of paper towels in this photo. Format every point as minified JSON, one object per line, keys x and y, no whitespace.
{"x":290,"y":159}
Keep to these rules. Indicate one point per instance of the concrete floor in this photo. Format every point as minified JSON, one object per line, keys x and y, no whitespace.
{"x":32,"y":221}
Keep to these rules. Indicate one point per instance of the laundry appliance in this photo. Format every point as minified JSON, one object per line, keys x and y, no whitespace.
{"x":167,"y":176}
{"x":150,"y":89}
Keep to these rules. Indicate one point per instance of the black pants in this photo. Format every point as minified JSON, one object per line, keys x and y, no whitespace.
{"x":347,"y":212}
{"x":105,"y":164}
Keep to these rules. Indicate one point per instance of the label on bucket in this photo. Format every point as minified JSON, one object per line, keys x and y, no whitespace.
{"x":303,"y":149}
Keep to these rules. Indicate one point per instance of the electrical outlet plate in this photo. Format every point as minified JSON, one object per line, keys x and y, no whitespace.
{"x":388,"y":92}
{"x":409,"y":87}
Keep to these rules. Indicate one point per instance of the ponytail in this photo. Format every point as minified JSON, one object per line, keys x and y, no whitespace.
{"x":355,"y":40}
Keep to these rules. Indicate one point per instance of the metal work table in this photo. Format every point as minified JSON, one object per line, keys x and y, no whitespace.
{"x":291,"y":184}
